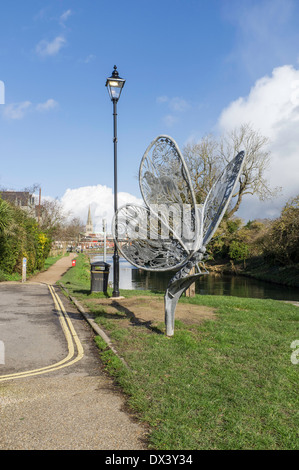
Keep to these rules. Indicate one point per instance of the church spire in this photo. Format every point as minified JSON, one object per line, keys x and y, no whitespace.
{"x":89,"y":225}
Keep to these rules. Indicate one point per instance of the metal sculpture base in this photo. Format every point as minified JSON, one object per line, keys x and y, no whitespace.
{"x":177,"y":285}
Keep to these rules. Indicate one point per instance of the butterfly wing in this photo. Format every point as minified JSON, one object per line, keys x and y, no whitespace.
{"x":145,"y":241}
{"x":165,"y":185}
{"x":220,"y":195}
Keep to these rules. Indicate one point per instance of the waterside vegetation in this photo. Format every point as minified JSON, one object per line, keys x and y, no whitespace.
{"x":264,"y":249}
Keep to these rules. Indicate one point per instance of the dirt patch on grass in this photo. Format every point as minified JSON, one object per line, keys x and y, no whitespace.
{"x":146,"y":309}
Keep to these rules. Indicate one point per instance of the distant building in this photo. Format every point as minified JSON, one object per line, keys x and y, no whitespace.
{"x":23,"y":199}
{"x":91,"y":239}
{"x":89,"y":224}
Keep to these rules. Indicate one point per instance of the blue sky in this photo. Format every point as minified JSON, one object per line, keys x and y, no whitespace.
{"x":192,"y":67}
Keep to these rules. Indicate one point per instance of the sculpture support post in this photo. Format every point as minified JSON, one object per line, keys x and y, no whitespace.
{"x":170,"y":303}
{"x":176,"y":287}
{"x":115,"y":292}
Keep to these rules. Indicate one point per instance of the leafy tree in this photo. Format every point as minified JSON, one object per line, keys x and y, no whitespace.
{"x":21,"y":237}
{"x":238,"y":251}
{"x":237,"y":241}
{"x":5,"y":215}
{"x":227,"y":231}
{"x":281,"y":243}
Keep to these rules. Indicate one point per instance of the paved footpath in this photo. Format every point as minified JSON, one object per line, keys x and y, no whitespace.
{"x":55,"y":271}
{"x":64,"y":400}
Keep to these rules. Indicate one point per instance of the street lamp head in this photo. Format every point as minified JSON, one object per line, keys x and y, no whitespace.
{"x":115,"y":85}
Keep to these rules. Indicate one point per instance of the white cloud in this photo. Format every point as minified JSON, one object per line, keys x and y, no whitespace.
{"x":49,"y":104}
{"x":162,"y":99}
{"x":178,"y":104}
{"x":101,"y":201}
{"x":45,"y":48}
{"x":16,"y":110}
{"x":65,"y":16}
{"x":175,"y":103}
{"x":88,"y":59}
{"x":169,"y":120}
{"x":263,"y":33}
{"x":40,"y":15}
{"x":272,"y":108}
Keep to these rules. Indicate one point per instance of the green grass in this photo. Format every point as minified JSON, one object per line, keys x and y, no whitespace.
{"x":226,"y":383}
{"x":77,"y":280}
{"x":52,"y":260}
{"x":9,"y":277}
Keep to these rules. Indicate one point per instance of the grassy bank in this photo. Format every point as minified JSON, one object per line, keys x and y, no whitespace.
{"x":224,"y":383}
{"x":52,"y":260}
{"x":258,"y":269}
{"x":284,"y":275}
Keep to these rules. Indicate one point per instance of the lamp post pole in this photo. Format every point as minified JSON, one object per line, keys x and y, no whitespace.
{"x":115,"y":85}
{"x":115,"y":292}
{"x":105,"y":238}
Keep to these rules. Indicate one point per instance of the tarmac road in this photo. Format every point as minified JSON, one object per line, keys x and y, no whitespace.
{"x":54,"y":393}
{"x":29,"y":328}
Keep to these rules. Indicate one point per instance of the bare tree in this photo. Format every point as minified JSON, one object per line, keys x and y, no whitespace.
{"x":32,"y":189}
{"x":204,"y":164}
{"x":253,"y":179}
{"x":52,"y":216}
{"x":208,"y":157}
{"x":73,"y":229}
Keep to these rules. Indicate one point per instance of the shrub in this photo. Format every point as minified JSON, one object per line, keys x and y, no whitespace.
{"x":238,"y":251}
{"x":21,"y":237}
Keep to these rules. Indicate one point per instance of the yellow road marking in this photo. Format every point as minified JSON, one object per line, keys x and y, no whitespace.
{"x":71,"y":327}
{"x":70,"y":335}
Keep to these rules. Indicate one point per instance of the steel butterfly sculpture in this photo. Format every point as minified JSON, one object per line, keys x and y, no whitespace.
{"x":171,"y":231}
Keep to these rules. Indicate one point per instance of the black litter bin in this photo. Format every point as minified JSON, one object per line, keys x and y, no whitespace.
{"x":99,"y":274}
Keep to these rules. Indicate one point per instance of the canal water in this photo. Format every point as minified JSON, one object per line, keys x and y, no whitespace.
{"x":239,"y":286}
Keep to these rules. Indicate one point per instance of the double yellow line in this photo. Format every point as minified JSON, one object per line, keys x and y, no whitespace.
{"x":71,"y":338}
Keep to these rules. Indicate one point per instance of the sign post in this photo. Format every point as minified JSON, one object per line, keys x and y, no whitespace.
{"x":24,"y":269}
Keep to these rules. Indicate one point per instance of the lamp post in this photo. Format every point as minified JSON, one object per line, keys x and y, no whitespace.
{"x":115,"y":85}
{"x":105,"y":238}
